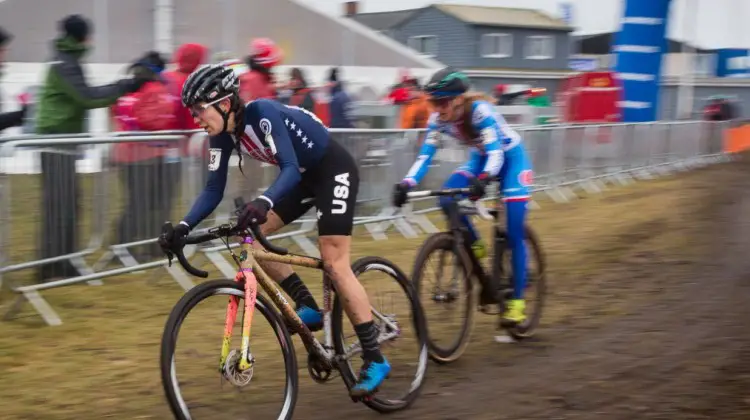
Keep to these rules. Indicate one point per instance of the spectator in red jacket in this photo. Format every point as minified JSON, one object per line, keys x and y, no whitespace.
{"x":401,"y":92}
{"x":187,"y":58}
{"x":149,"y":171}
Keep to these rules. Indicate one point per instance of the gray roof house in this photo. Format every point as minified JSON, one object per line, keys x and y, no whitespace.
{"x":478,"y":37}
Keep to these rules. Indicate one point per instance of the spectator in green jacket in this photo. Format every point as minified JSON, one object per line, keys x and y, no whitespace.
{"x":66,"y":96}
{"x":64,"y":100}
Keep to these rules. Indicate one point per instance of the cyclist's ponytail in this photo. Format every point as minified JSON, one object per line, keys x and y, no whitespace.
{"x":239,"y":128}
{"x":467,"y":127}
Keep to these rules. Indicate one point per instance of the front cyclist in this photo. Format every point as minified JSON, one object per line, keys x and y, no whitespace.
{"x":495,"y":152}
{"x":314,"y":170}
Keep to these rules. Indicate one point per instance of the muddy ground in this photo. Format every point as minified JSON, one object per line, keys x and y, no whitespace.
{"x":678,"y":349}
{"x":647,"y":317}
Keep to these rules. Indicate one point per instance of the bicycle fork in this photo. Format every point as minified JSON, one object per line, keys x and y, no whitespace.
{"x":247,"y":278}
{"x":488,"y":295}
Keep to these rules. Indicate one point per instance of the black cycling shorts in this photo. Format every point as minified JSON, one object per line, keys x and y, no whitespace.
{"x":331,"y":187}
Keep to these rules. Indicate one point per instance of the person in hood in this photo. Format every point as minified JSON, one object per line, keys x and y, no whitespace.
{"x":341,"y":104}
{"x":187,"y":58}
{"x":64,"y":101}
{"x":258,"y":81}
{"x":153,"y":107}
{"x":66,"y":96}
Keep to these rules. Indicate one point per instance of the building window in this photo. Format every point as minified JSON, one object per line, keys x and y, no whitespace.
{"x":540,"y":47}
{"x":497,"y":45}
{"x":704,"y":65}
{"x":425,"y":44}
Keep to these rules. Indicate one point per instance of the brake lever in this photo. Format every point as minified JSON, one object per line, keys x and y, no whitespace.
{"x":165,"y":230}
{"x":170,"y":257}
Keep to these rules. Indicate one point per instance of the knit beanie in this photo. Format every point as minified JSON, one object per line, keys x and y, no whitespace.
{"x":76,"y":27}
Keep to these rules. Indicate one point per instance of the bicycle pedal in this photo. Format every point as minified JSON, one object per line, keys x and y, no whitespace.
{"x":366,"y":398}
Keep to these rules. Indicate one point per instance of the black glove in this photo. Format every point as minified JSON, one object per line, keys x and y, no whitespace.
{"x":253,"y":212}
{"x":479,"y":186}
{"x":399,"y":193}
{"x":172,"y":238}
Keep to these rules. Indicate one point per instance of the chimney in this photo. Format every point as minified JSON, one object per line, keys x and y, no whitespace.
{"x":351,"y":8}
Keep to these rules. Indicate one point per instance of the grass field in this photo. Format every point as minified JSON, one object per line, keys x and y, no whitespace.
{"x":103,"y":361}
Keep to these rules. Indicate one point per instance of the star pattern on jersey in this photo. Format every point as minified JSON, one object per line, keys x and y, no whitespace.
{"x":319,"y":213}
{"x":295,"y":131}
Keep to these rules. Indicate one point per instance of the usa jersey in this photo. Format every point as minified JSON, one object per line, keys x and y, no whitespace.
{"x":291,"y":138}
{"x":494,"y":138}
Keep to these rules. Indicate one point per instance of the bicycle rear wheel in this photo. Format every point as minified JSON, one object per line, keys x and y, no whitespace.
{"x":536,"y":279}
{"x":180,"y":408}
{"x":445,"y":294}
{"x":409,"y":360}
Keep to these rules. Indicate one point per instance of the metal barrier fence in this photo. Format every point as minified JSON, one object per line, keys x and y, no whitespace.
{"x":85,"y":204}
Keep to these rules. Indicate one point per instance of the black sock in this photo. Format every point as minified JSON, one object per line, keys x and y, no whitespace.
{"x":368,"y":337}
{"x":297,"y":290}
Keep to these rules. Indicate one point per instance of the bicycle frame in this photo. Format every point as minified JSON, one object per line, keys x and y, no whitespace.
{"x":253,"y":274}
{"x":460,"y":233}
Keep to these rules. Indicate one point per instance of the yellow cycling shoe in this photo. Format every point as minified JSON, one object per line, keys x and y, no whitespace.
{"x":479,"y":248}
{"x":515,"y":313}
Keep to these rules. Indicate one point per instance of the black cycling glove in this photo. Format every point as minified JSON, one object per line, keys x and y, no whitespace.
{"x":479,"y":186}
{"x":254,"y":212}
{"x":400,"y":192}
{"x":172,"y":238}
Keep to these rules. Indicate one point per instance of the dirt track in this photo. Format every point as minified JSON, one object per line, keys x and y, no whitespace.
{"x":646,"y":318}
{"x":677,"y":348}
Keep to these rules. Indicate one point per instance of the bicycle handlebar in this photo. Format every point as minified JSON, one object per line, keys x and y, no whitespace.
{"x":187,"y":266}
{"x":480,"y":209}
{"x":439,"y":193}
{"x":219,"y":232}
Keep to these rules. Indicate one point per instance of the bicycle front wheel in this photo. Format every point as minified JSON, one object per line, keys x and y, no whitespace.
{"x":250,"y":392}
{"x":448,"y":298}
{"x":403,"y":335}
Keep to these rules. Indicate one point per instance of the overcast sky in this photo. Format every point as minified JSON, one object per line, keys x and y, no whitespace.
{"x":719,"y":22}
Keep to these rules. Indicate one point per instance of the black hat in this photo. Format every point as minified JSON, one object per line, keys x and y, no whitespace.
{"x":76,"y":27}
{"x":149,"y":66}
{"x":153,"y":60}
{"x":4,"y":37}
